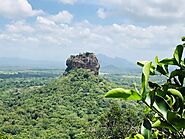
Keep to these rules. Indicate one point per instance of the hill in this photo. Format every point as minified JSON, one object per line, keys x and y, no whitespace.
{"x":115,"y":65}
{"x":68,"y":107}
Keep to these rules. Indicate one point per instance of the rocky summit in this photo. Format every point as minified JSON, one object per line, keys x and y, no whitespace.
{"x":86,"y":60}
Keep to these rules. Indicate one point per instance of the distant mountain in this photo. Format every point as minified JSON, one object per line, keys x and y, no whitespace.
{"x":27,"y":63}
{"x":107,"y":64}
{"x":115,"y":65}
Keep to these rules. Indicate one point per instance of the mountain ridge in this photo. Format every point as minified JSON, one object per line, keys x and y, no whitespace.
{"x":116,"y":64}
{"x":107,"y":64}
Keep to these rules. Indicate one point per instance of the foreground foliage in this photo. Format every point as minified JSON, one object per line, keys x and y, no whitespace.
{"x":165,"y":100}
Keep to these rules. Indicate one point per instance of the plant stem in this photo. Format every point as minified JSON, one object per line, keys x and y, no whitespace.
{"x":154,"y":109}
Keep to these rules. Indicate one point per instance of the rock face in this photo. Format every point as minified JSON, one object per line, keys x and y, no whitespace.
{"x":86,"y":60}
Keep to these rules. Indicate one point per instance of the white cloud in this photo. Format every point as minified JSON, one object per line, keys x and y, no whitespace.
{"x":68,"y":1}
{"x":60,"y":40}
{"x":57,"y":36}
{"x":44,"y":21}
{"x":17,"y":9}
{"x":101,"y":13}
{"x":19,"y":26}
{"x":62,"y":17}
{"x":52,"y":20}
{"x":147,"y":11}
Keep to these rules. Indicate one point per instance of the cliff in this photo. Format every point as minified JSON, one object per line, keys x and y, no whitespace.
{"x":86,"y":61}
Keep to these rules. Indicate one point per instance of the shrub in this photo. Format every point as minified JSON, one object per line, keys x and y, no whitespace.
{"x":165,"y":100}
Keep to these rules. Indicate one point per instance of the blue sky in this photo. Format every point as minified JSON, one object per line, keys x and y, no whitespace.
{"x":55,"y":29}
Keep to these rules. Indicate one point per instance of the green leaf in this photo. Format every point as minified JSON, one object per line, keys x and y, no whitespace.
{"x":180,"y":101}
{"x":135,"y":136}
{"x":153,"y":85}
{"x":181,"y":79}
{"x":155,"y":117}
{"x":134,"y":95}
{"x":139,"y":136}
{"x":167,"y":61}
{"x":147,"y":110}
{"x":124,"y":94}
{"x":118,"y":93}
{"x":171,"y":100}
{"x":146,"y":129}
{"x":145,"y":78}
{"x":155,"y":135}
{"x":166,"y":69}
{"x":152,"y":67}
{"x":147,"y":124}
{"x":161,"y":69}
{"x":177,"y":72}
{"x":180,"y":73}
{"x":176,"y":120}
{"x":179,"y":123}
{"x":152,"y":97}
{"x":183,"y":38}
{"x":172,"y":116}
{"x":161,"y":105}
{"x":178,"y":53}
{"x":156,"y":124}
{"x":162,"y":66}
{"x":156,"y":60}
{"x":163,"y":124}
{"x":176,"y":93}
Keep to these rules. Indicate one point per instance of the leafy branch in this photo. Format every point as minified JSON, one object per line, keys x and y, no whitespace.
{"x":166,"y":100}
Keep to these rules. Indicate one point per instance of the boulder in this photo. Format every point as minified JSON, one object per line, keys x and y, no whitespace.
{"x":86,"y":60}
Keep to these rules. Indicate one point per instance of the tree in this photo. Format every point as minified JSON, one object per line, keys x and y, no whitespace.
{"x":165,"y":100}
{"x":120,"y":121}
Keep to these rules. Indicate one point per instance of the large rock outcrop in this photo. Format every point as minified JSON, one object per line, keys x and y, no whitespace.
{"x":86,"y":60}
